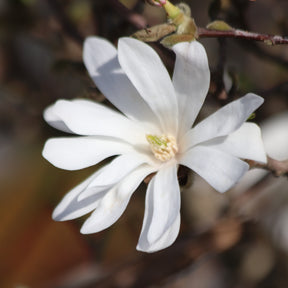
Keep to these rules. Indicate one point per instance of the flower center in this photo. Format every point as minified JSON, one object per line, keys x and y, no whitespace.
{"x":164,"y":147}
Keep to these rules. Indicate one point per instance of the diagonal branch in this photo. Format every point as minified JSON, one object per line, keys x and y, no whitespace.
{"x":65,"y":22}
{"x":278,"y":168}
{"x":238,"y":33}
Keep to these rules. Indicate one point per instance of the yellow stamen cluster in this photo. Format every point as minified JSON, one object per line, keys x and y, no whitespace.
{"x":164,"y":147}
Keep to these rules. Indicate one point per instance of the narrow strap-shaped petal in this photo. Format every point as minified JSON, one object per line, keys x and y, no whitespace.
{"x":53,"y":120}
{"x":150,"y":77}
{"x":70,"y":207}
{"x":191,"y":79}
{"x":223,"y":122}
{"x":118,"y":169}
{"x":245,"y":143}
{"x":100,"y":58}
{"x":114,"y":203}
{"x":72,"y":153}
{"x":219,"y":169}
{"x":275,"y":136}
{"x":85,"y":117}
{"x":162,"y":206}
{"x":163,"y":242}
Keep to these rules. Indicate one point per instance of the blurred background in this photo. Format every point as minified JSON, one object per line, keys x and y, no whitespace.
{"x":238,"y":239}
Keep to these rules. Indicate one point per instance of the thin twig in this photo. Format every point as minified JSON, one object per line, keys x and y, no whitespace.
{"x":237,"y":33}
{"x":278,"y":168}
{"x":250,"y":46}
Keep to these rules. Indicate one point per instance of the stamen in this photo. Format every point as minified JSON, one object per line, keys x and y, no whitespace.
{"x":164,"y":147}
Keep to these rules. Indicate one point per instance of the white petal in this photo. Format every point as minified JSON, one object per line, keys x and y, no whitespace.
{"x":100,"y":58}
{"x":275,"y":136}
{"x":219,"y":169}
{"x":163,"y":242}
{"x":80,"y":152}
{"x":116,"y":170}
{"x":245,"y":143}
{"x":148,"y":74}
{"x":224,"y":121}
{"x":191,"y":80}
{"x":113,"y":204}
{"x":85,"y":117}
{"x":162,"y":206}
{"x":70,"y":207}
{"x":54,"y":121}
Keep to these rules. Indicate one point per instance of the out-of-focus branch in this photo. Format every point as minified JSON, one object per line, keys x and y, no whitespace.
{"x":217,"y":86}
{"x":252,"y":47}
{"x":133,"y":18}
{"x":145,"y":270}
{"x":65,"y":22}
{"x":278,"y":168}
{"x":240,"y":200}
{"x":237,"y":33}
{"x":236,"y":16}
{"x":281,"y":88}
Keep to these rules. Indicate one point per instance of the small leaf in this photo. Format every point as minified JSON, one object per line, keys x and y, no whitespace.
{"x":154,"y":33}
{"x":219,"y":25}
{"x":252,"y":116}
{"x":170,"y":41}
{"x":268,"y":42}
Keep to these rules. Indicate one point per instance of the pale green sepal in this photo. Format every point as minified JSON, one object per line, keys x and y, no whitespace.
{"x":219,"y":25}
{"x":172,"y":40}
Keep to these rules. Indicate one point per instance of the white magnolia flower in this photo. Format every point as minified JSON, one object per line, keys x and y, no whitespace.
{"x":152,"y":135}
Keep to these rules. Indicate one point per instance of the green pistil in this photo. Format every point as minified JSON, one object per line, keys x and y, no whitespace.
{"x":156,"y":140}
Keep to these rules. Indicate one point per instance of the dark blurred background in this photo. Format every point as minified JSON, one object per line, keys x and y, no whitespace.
{"x":221,"y":244}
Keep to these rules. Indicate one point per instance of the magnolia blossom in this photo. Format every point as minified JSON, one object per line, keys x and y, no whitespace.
{"x":151,"y":133}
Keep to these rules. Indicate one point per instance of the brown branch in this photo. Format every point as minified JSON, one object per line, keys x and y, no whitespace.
{"x":217,"y":86}
{"x":250,"y":46}
{"x":65,"y":22}
{"x":281,"y":88}
{"x":278,"y":168}
{"x":237,"y":33}
{"x":190,"y":250}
